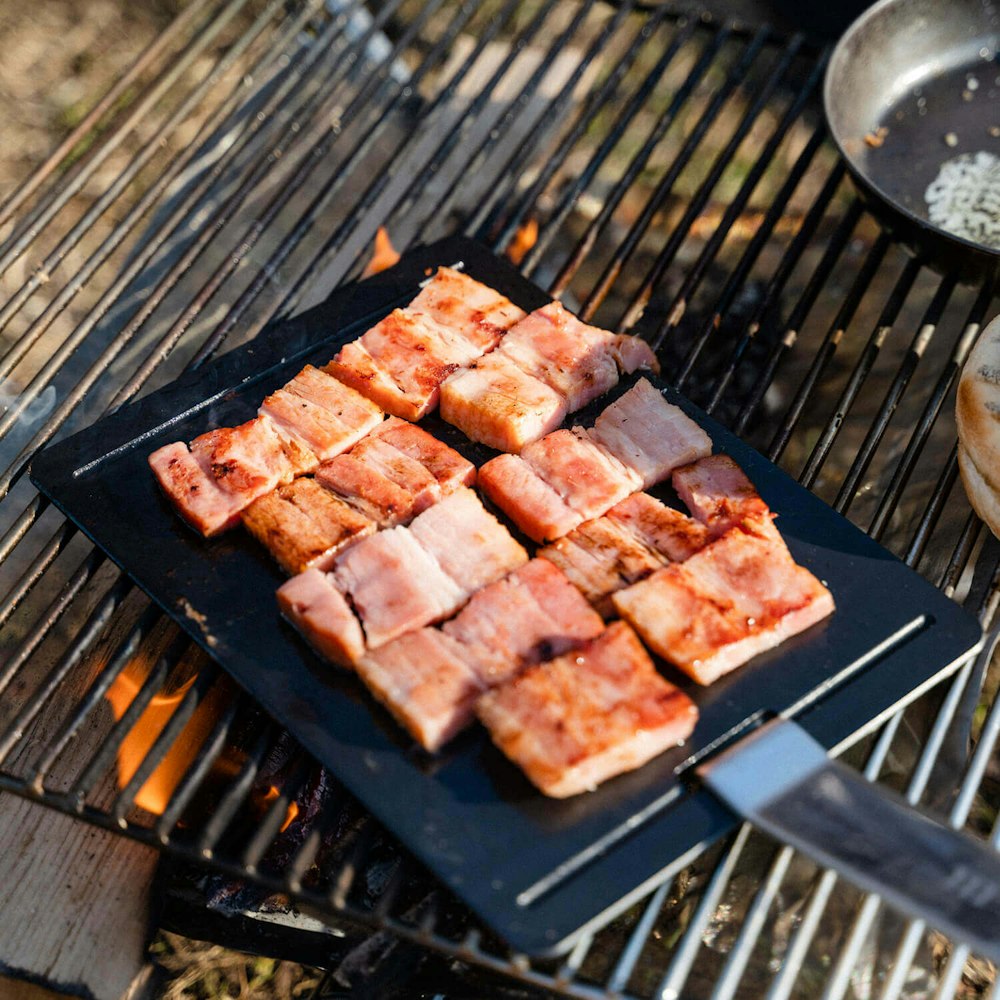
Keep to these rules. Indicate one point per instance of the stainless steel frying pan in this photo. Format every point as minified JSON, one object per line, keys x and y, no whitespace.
{"x":912,"y":98}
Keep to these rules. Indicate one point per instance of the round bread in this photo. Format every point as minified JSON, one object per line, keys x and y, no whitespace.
{"x":977,"y":414}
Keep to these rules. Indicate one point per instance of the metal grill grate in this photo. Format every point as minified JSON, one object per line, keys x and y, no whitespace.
{"x":679,"y":178}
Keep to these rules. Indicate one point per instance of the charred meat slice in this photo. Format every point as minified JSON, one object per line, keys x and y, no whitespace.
{"x":579,"y":361}
{"x":534,"y":506}
{"x":530,"y":615}
{"x":582,"y":718}
{"x":367,"y":490}
{"x":649,"y":435}
{"x":196,"y":495}
{"x":717,"y":491}
{"x":401,"y":362}
{"x":742,"y":594}
{"x":445,"y":464}
{"x":312,"y":603}
{"x":396,"y":466}
{"x":600,"y":557}
{"x":468,"y":307}
{"x":661,"y":528}
{"x":423,"y":681}
{"x":494,"y":402}
{"x":395,"y":586}
{"x":304,"y":525}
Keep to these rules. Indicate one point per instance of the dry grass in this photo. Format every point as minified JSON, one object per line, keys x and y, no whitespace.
{"x":200,"y":971}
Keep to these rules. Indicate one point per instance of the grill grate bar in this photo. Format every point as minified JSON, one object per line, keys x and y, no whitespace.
{"x":166,"y":177}
{"x":489,"y":215}
{"x":142,"y":156}
{"x":628,"y":178}
{"x":881,"y":331}
{"x":101,"y":761}
{"x":92,"y":118}
{"x":776,"y":285}
{"x":316,"y":207}
{"x":379,"y":184}
{"x":274,"y":818}
{"x":190,"y":783}
{"x":696,"y":272}
{"x":846,"y":312}
{"x":672,"y":985}
{"x":523,"y":152}
{"x":626,"y":248}
{"x":125,"y":652}
{"x":46,"y":212}
{"x":880,"y":425}
{"x":167,"y":737}
{"x":637,"y":940}
{"x":834,"y":249}
{"x":931,"y":411}
{"x":370,"y":91}
{"x":230,"y":802}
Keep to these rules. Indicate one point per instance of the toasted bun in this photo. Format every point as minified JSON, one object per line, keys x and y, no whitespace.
{"x":982,"y":495}
{"x":977,"y":414}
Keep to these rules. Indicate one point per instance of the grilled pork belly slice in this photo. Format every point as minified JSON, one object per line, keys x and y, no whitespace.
{"x":422,"y":679}
{"x":600,"y":557}
{"x":194,"y":493}
{"x":587,"y":478}
{"x":532,"y":614}
{"x":494,"y":402}
{"x":579,"y":361}
{"x":742,"y":594}
{"x":717,"y":491}
{"x":304,"y":525}
{"x":582,"y":718}
{"x":407,"y":473}
{"x":467,"y":541}
{"x":395,"y":586}
{"x":660,"y":528}
{"x":401,"y":362}
{"x":312,"y":603}
{"x":534,"y":506}
{"x":321,"y":413}
{"x":467,"y":307}
{"x":445,"y":464}
{"x":367,"y":490}
{"x":649,"y":435}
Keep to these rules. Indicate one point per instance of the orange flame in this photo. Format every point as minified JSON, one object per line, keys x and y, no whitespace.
{"x":383,"y":256}
{"x":156,"y":791}
{"x":524,"y":239}
{"x":293,"y":808}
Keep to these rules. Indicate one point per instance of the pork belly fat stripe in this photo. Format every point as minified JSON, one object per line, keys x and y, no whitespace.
{"x":430,"y":678}
{"x":546,"y":366}
{"x":577,"y":720}
{"x":403,"y":578}
{"x":644,"y":438}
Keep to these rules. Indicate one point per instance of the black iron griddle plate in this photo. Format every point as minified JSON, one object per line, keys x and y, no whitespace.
{"x":535,"y":869}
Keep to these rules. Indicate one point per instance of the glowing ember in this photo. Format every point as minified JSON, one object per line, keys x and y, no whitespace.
{"x":384,"y":255}
{"x":524,"y":239}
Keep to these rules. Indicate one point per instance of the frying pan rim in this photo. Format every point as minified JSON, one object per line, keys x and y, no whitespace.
{"x":927,"y":228}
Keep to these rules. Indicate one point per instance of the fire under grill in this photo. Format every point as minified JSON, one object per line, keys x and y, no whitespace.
{"x":662,"y":173}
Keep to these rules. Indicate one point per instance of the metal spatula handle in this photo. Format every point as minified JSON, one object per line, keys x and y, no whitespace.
{"x":782,"y":780}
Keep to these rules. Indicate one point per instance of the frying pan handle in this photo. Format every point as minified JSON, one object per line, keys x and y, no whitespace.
{"x":782,"y":780}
